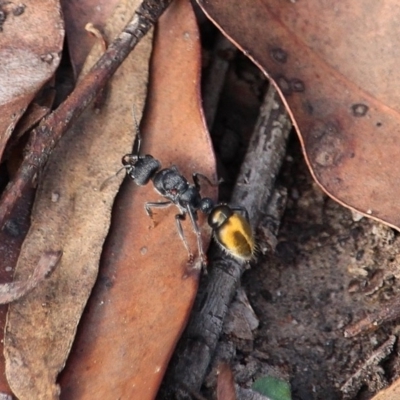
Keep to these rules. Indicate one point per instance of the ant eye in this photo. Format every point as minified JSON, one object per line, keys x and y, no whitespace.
{"x":125,"y":159}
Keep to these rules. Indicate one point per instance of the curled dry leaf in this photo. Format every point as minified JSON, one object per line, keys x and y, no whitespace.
{"x":31,"y":40}
{"x":90,"y":28}
{"x":77,"y":15}
{"x":328,"y":62}
{"x":72,"y":214}
{"x":11,"y":239}
{"x":15,"y":290}
{"x":142,"y":299}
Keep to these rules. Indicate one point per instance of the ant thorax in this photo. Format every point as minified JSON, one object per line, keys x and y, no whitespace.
{"x":231,"y":230}
{"x":170,"y":184}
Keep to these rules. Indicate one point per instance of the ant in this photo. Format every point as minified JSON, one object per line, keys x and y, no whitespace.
{"x":231,"y":230}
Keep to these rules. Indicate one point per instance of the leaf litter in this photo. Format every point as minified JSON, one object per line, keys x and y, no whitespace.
{"x":72,"y":214}
{"x":55,"y":195}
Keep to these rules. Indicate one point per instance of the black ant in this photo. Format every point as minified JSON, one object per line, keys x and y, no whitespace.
{"x":231,"y":230}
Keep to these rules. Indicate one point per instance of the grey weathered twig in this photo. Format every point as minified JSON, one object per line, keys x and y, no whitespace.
{"x":254,"y":187}
{"x":270,"y":223}
{"x":374,"y":320}
{"x":370,"y":373}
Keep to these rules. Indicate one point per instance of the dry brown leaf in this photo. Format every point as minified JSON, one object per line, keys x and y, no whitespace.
{"x":71,"y":213}
{"x":21,"y":32}
{"x":11,"y":238}
{"x":145,"y":290}
{"x":331,"y":64}
{"x":391,"y":393}
{"x":31,"y":40}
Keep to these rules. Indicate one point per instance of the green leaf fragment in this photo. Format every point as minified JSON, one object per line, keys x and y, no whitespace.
{"x":273,"y":388}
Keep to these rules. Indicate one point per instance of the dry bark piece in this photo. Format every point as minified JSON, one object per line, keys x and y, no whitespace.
{"x":71,"y":213}
{"x":31,"y":40}
{"x":225,"y":383}
{"x":347,"y":116}
{"x":240,"y":320}
{"x":268,"y":229}
{"x":145,"y":290}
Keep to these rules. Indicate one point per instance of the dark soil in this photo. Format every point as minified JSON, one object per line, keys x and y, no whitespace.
{"x":328,"y":270}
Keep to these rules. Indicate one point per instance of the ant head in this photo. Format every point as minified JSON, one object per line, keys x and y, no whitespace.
{"x":219,"y":215}
{"x":129,"y":160}
{"x":206,"y":205}
{"x":140,"y":168}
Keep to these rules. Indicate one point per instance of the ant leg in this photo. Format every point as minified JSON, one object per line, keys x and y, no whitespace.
{"x":196,"y":229}
{"x":160,"y":204}
{"x":179,"y":218}
{"x":196,"y":180}
{"x":243,"y":210}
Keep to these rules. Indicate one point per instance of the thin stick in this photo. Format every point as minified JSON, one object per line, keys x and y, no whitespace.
{"x":374,"y":321}
{"x":45,"y":137}
{"x":255,"y":184}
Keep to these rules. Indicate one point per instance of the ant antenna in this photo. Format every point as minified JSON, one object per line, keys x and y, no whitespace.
{"x":138,"y":140}
{"x":110,"y":178}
